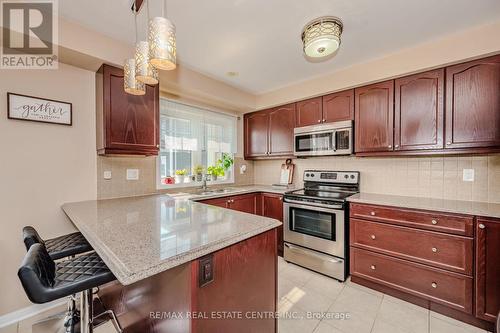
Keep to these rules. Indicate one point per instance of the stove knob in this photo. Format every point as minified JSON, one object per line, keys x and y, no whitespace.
{"x":352,"y":176}
{"x":307,"y":175}
{"x":346,"y":176}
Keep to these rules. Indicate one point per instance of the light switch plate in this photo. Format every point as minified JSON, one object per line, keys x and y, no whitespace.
{"x":468,"y":175}
{"x":132,"y":174}
{"x":107,"y":175}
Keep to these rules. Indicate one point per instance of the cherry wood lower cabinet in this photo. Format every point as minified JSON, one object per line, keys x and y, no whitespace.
{"x":272,"y":206}
{"x":428,"y":258}
{"x":487,"y":268}
{"x":244,"y":281}
{"x":263,"y":204}
{"x":126,"y":124}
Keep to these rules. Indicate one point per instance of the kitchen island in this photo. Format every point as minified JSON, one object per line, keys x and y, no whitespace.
{"x":183,"y":266}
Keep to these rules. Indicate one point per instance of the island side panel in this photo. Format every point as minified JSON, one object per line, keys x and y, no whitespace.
{"x":145,"y":306}
{"x":245,"y":282}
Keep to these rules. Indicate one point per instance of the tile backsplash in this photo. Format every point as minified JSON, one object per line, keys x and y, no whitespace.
{"x":119,"y":186}
{"x":435,"y":177}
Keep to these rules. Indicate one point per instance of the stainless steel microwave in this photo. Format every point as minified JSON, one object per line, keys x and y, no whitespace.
{"x":325,"y":139}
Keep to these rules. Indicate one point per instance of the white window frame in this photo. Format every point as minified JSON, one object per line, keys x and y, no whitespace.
{"x":229,"y":180}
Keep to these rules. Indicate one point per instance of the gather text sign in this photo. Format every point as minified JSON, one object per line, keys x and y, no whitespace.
{"x":38,"y":109}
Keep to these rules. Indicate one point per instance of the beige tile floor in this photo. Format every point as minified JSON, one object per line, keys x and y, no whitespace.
{"x":304,"y":295}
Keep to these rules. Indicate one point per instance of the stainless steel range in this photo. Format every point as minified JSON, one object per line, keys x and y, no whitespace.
{"x":316,"y":226}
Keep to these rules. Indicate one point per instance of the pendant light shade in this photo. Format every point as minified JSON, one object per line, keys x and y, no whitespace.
{"x":130,"y":83}
{"x":162,"y":48}
{"x":144,"y":71}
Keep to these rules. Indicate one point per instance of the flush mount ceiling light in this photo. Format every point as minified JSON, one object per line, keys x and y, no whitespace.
{"x":321,"y":36}
{"x":162,"y":43}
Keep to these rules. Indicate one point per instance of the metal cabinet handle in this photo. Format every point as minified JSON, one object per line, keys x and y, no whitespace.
{"x":373,"y":267}
{"x":390,"y":146}
{"x":319,"y":120}
{"x":372,"y":213}
{"x":372,"y":237}
{"x":434,"y":285}
{"x":324,"y":120}
{"x":434,"y":222}
{"x":448,"y":143}
{"x":481,"y":226}
{"x":434,"y":249}
{"x":396,"y":146}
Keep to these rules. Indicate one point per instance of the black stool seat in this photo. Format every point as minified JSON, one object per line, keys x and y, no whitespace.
{"x":59,"y":247}
{"x":45,"y":280}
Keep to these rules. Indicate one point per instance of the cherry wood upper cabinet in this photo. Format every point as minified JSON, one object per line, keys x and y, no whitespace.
{"x":309,"y":112}
{"x":419,"y":111}
{"x":126,"y":124}
{"x":374,"y":117}
{"x":256,"y":134}
{"x":281,"y":125}
{"x":338,"y":106}
{"x":473,"y":104}
{"x":487,"y":269}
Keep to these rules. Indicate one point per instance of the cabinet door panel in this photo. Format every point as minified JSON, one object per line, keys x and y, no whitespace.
{"x":473,"y":104}
{"x":256,"y":134}
{"x":338,"y":106}
{"x":246,"y":203}
{"x":131,"y":122}
{"x":374,"y":113}
{"x":272,"y":206}
{"x":487,"y":269}
{"x":281,"y":125}
{"x":219,"y":202}
{"x":418,"y":111}
{"x":309,"y":112}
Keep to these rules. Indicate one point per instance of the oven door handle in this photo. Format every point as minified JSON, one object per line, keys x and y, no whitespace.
{"x":306,"y":205}
{"x":318,"y":255}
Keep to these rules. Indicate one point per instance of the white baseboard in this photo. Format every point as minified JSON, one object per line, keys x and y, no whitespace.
{"x":28,"y":312}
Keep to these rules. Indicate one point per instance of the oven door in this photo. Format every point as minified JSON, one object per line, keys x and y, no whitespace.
{"x":314,"y":143}
{"x":317,"y":228}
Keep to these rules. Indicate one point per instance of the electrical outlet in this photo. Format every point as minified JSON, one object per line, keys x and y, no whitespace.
{"x":132,"y":174}
{"x":107,"y":175}
{"x":468,"y":175}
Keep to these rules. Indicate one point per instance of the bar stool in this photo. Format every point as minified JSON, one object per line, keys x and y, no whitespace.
{"x":45,"y":280}
{"x":59,"y":247}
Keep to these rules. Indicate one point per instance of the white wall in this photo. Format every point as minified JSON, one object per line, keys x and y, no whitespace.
{"x":42,"y":166}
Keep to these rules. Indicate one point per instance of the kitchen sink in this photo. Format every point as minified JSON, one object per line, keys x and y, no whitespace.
{"x":214,"y":191}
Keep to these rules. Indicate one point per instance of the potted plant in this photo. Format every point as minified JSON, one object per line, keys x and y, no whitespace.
{"x":180,"y":176}
{"x":198,"y":171}
{"x":220,"y":167}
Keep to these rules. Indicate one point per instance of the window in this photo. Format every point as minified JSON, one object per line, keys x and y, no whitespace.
{"x":192,"y":139}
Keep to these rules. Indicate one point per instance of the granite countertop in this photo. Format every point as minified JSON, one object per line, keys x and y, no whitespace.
{"x":138,"y":237}
{"x":450,"y":206}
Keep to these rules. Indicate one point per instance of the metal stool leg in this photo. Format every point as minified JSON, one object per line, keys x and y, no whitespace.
{"x":86,"y":311}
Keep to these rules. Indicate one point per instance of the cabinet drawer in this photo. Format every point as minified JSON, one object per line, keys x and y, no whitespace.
{"x":447,"y":288}
{"x":449,"y":223}
{"x":444,"y":251}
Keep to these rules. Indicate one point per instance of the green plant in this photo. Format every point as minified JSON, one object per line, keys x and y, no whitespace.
{"x":198,"y":170}
{"x":182,"y":172}
{"x":220,"y":167}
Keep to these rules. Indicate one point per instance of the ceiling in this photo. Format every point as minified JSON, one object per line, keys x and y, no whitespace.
{"x":260,"y":39}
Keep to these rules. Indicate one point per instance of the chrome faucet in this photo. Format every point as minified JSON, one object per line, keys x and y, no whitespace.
{"x":204,"y":183}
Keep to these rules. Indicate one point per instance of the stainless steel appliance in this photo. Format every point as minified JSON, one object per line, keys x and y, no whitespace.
{"x":316,"y":226}
{"x":326,"y":139}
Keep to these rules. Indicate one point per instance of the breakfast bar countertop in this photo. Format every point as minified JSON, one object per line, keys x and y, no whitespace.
{"x":484,"y":209}
{"x":138,"y":237}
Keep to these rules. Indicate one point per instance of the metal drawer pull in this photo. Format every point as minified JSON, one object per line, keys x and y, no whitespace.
{"x":372,"y":267}
{"x":372,"y":236}
{"x":434,"y":285}
{"x":481,"y":226}
{"x":372,"y":213}
{"x":434,"y":249}
{"x":434,"y":222}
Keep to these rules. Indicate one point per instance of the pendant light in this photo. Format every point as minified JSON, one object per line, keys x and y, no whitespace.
{"x":130,"y":83}
{"x":321,"y":37}
{"x":162,"y":45}
{"x":144,"y":71}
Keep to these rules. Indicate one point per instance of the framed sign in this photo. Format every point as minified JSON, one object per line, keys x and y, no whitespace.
{"x":43,"y":110}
